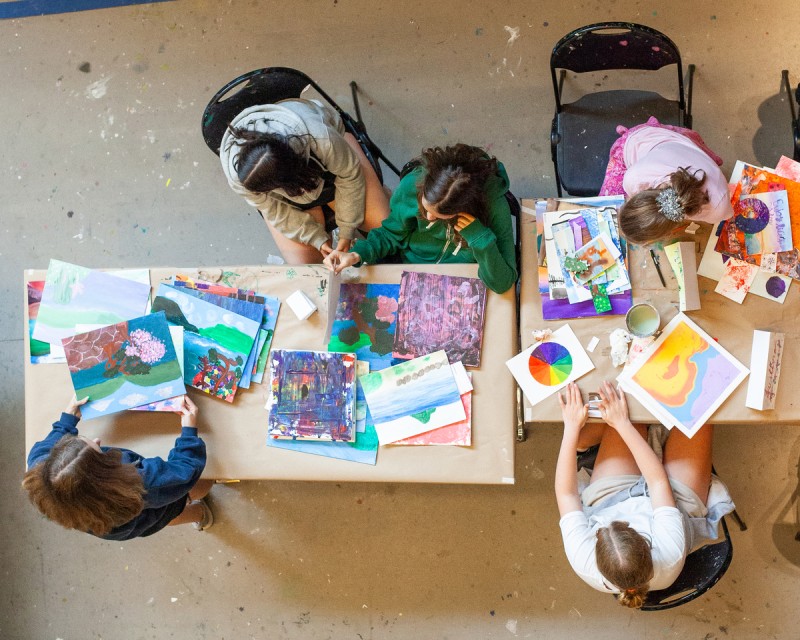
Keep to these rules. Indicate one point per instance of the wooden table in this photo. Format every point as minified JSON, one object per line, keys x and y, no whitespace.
{"x":236,"y":434}
{"x":730,"y":323}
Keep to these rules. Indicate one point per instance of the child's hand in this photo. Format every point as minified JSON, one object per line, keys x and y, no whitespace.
{"x":189,"y":413}
{"x":463,"y":220}
{"x":336,"y":261}
{"x":573,"y":411}
{"x":613,"y":406}
{"x":74,"y":406}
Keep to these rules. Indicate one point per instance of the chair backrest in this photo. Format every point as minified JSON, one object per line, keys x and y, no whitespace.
{"x":702,"y":570}
{"x":267,"y":86}
{"x":614,"y":45}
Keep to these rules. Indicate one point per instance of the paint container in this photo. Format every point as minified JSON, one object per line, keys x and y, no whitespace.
{"x":643,"y":320}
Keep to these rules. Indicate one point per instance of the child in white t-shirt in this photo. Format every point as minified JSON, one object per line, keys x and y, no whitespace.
{"x":630,"y":529}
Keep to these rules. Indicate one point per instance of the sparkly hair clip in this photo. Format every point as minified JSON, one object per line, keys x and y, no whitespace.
{"x":669,"y":205}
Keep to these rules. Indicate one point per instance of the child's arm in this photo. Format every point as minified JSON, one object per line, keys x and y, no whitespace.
{"x":614,"y":410}
{"x":168,"y":480}
{"x":574,"y":413}
{"x":65,"y":425}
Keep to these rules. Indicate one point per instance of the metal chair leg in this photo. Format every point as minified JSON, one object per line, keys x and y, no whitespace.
{"x":738,"y":520}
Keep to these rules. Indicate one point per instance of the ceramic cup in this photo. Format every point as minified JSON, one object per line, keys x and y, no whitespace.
{"x":643,"y":320}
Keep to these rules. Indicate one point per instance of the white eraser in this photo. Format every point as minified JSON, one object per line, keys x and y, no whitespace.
{"x":692,"y":228}
{"x":593,"y":344}
{"x":301,"y":304}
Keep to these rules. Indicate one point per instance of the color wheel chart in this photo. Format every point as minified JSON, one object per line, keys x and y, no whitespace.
{"x":550,"y":364}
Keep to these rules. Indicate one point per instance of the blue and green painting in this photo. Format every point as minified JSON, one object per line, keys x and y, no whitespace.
{"x":216,"y":341}
{"x":124,"y":365}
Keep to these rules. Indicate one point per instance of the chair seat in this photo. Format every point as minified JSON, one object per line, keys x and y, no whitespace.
{"x":588,"y":128}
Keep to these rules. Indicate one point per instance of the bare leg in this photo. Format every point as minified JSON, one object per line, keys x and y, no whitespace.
{"x":296,"y":252}
{"x":591,"y":434}
{"x":191,"y":513}
{"x":377,"y":202}
{"x":200,"y":489}
{"x":690,"y":460}
{"x":614,"y":458}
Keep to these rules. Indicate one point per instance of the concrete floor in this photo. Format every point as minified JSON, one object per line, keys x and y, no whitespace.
{"x":104,"y":165}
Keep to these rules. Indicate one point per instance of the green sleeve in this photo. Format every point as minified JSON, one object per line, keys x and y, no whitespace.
{"x":392,"y":236}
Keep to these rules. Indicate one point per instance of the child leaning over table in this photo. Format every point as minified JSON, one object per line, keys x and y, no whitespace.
{"x":114,"y":493}
{"x":629,"y":530}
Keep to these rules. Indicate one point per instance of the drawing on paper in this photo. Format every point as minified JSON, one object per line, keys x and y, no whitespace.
{"x":217,"y":341}
{"x":440,"y":312}
{"x":736,"y":279}
{"x":684,"y":377}
{"x":124,"y":365}
{"x":313,"y":395}
{"x":77,"y":295}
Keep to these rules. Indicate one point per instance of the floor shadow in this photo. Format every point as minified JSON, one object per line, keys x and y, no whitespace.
{"x":773,"y":138}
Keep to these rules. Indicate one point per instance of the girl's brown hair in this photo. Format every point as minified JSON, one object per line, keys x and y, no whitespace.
{"x":641,"y":220}
{"x":623,"y":557}
{"x":455,"y":179}
{"x":82,"y":488}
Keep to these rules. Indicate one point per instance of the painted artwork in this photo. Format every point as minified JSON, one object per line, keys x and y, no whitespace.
{"x":363,"y":450}
{"x":175,"y":403}
{"x":440,"y":312}
{"x":684,"y":376}
{"x":216,"y":341}
{"x":736,"y":279}
{"x":754,"y":180}
{"x":124,"y":365}
{"x":456,"y":434}
{"x":765,"y":369}
{"x":760,"y":224}
{"x":681,"y":257}
{"x":313,"y":395}
{"x":40,"y":352}
{"x":545,"y":367}
{"x":365,"y":322}
{"x":272,"y":307}
{"x":413,"y":397}
{"x":788,"y":168}
{"x":599,"y":255}
{"x":77,"y":295}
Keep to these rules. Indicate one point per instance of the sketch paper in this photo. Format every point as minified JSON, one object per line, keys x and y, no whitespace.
{"x":176,"y":403}
{"x":545,"y":367}
{"x":736,"y":279}
{"x":365,"y":322}
{"x":456,"y":434}
{"x":684,"y":264}
{"x":765,"y":369}
{"x":124,"y":365}
{"x":684,"y":376}
{"x":413,"y":397}
{"x":77,"y":295}
{"x":313,"y":395}
{"x":440,"y":312}
{"x":216,"y":341}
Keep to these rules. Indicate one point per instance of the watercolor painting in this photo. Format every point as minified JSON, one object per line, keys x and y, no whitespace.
{"x":366,"y":318}
{"x":788,"y":168}
{"x":548,"y":366}
{"x":736,"y":279}
{"x":684,"y":376}
{"x":754,"y":180}
{"x":599,"y":254}
{"x":124,"y":365}
{"x":77,"y":295}
{"x":440,"y":312}
{"x":313,"y":395}
{"x":413,"y":397}
{"x":216,"y":341}
{"x":272,"y":307}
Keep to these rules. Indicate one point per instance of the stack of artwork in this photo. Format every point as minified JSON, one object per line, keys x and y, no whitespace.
{"x":583,"y":268}
{"x":683,"y":376}
{"x":756,"y":251}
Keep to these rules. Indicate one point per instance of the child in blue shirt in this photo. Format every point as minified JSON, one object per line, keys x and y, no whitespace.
{"x":114,"y":493}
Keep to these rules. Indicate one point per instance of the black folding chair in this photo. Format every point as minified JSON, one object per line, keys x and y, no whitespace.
{"x":584,"y":130}
{"x":270,"y":85}
{"x":794,"y":106}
